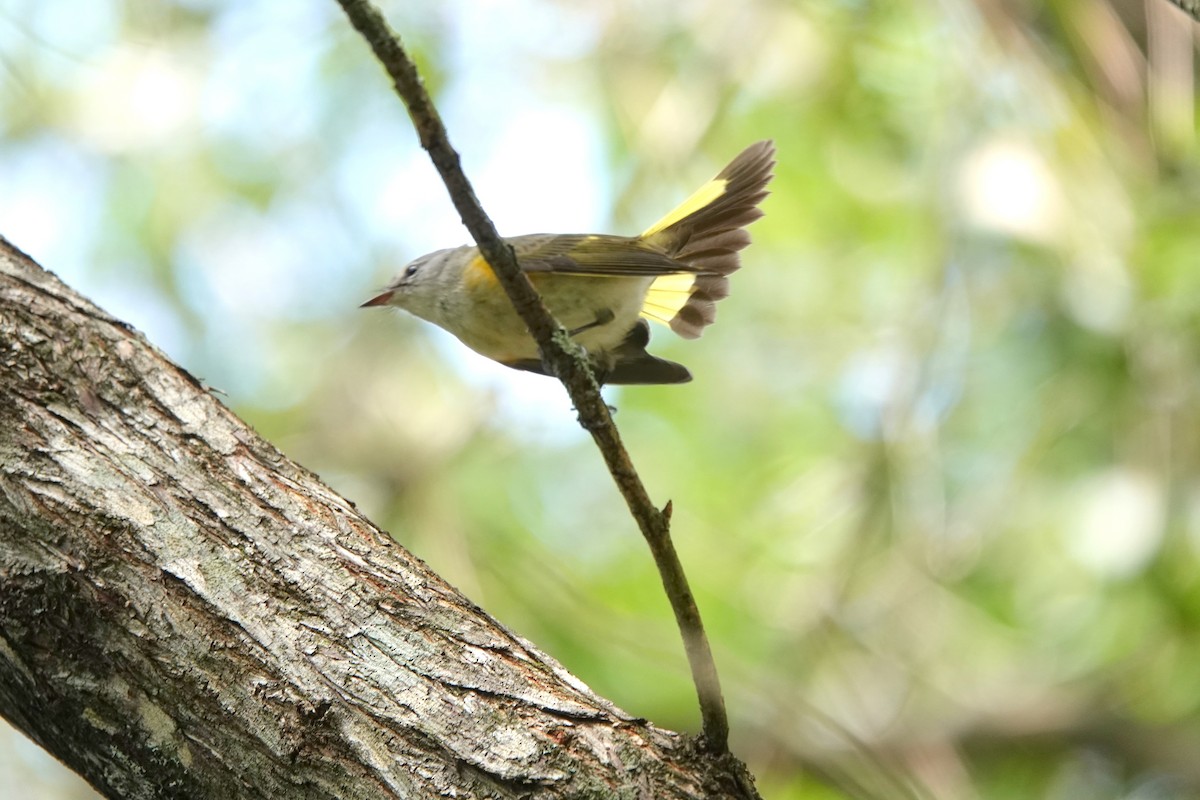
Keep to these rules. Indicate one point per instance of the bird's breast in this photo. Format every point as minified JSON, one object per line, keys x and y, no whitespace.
{"x":488,"y":324}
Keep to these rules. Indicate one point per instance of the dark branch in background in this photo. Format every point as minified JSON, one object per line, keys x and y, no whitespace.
{"x":564,"y":359}
{"x":1192,"y":7}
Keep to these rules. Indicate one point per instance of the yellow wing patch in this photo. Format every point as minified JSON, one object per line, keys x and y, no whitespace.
{"x":667,"y":295}
{"x":478,"y":274}
{"x":699,"y":199}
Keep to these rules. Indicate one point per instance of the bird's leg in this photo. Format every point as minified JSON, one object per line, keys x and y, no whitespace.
{"x":603,"y":317}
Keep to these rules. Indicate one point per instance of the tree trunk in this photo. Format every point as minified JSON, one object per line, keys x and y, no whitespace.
{"x":184,"y":612}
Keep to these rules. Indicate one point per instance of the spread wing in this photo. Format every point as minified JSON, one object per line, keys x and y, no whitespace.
{"x":594,"y":255}
{"x":602,"y":256}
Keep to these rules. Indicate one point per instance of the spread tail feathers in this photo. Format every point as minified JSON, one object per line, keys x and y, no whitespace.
{"x":706,"y":232}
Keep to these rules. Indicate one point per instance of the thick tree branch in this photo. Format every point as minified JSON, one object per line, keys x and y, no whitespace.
{"x":186,"y":613}
{"x":563,"y":358}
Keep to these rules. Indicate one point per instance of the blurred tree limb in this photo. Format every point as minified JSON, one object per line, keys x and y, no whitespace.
{"x":1192,"y":7}
{"x":184,"y":612}
{"x":564,"y":359}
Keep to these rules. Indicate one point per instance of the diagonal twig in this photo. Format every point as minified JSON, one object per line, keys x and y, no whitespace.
{"x":563,"y":358}
{"x":1191,"y":7}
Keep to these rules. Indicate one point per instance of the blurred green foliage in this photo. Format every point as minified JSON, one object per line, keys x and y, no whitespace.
{"x":936,"y":482}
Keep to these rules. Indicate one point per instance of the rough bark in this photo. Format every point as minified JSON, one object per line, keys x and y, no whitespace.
{"x":184,"y":612}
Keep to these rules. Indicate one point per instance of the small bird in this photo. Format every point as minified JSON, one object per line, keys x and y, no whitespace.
{"x":602,"y":288}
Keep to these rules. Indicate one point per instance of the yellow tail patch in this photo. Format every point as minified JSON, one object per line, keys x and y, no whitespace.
{"x":699,"y":199}
{"x":667,"y":295}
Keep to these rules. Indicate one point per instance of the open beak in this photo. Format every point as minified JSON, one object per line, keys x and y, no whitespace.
{"x":379,"y":300}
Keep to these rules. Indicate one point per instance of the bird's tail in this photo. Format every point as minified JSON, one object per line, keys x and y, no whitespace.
{"x":705,"y":232}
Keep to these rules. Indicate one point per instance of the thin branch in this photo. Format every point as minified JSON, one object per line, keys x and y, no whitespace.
{"x":563,"y":358}
{"x":1192,"y":7}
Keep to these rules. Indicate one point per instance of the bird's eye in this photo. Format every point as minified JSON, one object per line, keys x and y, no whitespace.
{"x":412,"y":270}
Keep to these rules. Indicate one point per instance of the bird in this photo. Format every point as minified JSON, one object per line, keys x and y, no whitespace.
{"x":602,"y":288}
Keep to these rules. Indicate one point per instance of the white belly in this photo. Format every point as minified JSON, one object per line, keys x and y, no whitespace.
{"x":491,"y":325}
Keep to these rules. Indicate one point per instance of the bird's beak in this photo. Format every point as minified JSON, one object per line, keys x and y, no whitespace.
{"x":379,"y":300}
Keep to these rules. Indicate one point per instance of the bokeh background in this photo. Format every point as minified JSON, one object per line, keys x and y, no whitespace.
{"x":936,"y":481}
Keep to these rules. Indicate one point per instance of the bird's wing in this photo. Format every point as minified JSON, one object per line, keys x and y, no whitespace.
{"x":594,"y":255}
